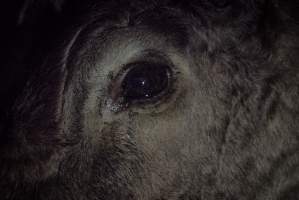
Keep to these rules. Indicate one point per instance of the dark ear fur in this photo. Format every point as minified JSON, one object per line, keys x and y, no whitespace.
{"x":24,"y":24}
{"x":31,"y":9}
{"x":290,"y":9}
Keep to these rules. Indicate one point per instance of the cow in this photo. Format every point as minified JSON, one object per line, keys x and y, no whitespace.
{"x":153,"y":100}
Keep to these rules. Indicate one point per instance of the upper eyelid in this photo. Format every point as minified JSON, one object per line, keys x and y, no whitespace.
{"x":152,"y":55}
{"x":148,"y":56}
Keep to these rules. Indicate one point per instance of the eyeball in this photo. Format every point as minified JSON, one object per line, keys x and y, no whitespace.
{"x":145,"y":82}
{"x":142,"y":83}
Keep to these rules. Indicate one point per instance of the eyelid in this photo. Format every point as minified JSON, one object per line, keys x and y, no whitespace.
{"x":151,"y":56}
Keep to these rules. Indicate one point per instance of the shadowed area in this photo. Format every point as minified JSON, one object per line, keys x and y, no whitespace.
{"x":149,"y":100}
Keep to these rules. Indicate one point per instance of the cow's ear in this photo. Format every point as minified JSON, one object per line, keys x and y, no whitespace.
{"x":289,"y":9}
{"x":286,"y":11}
{"x":277,"y":19}
{"x":36,"y":9}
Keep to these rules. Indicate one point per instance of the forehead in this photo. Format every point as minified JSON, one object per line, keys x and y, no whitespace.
{"x":114,"y":32}
{"x":152,"y":11}
{"x":119,"y":36}
{"x":166,"y":22}
{"x":171,"y":20}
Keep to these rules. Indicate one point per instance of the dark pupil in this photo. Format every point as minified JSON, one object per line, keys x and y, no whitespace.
{"x":145,"y":80}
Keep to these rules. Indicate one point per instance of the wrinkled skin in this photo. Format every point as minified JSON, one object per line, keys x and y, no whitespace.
{"x":228,"y":129}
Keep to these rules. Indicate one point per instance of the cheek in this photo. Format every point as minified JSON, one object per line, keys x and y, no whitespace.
{"x":173,"y":141}
{"x":169,"y":143}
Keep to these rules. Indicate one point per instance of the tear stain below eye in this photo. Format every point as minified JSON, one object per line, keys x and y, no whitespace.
{"x":117,"y":105}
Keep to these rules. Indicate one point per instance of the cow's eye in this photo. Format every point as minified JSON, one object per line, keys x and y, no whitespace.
{"x":145,"y":82}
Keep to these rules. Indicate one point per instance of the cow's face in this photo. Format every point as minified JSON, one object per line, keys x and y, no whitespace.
{"x":166,"y":102}
{"x":132,"y":99}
